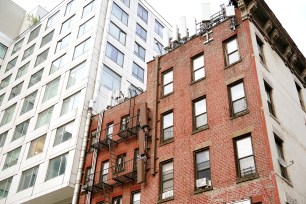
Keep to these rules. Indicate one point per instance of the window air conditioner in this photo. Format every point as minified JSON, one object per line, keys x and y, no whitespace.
{"x":167,"y":194}
{"x":202,"y":182}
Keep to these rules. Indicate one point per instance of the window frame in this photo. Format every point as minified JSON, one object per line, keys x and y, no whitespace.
{"x":59,"y":173}
{"x":35,"y":147}
{"x":138,"y":70}
{"x":29,"y":99}
{"x":116,"y":79}
{"x":104,"y":171}
{"x":269,"y":99}
{"x":43,"y":43}
{"x":114,"y":54}
{"x":47,"y":119}
{"x":52,"y":20}
{"x":92,"y":8}
{"x":9,"y":159}
{"x":132,"y":197}
{"x":60,"y":137}
{"x":15,"y":91}
{"x":120,"y":163}
{"x":8,"y":182}
{"x":142,"y":13}
{"x":62,"y":43}
{"x":11,"y":64}
{"x":17,"y":46}
{"x":260,"y":49}
{"x":162,"y":181}
{"x":3,"y":137}
{"x":194,"y":116}
{"x":280,"y":153}
{"x":77,"y":74}
{"x":34,"y":33}
{"x":117,"y":200}
{"x":28,"y":52}
{"x":227,"y":54}
{"x":40,"y":59}
{"x":141,"y":32}
{"x":196,"y":169}
{"x":24,"y":183}
{"x":124,"y":122}
{"x":158,"y":28}
{"x":300,"y":94}
{"x":73,"y":102}
{"x":51,"y":89}
{"x":167,"y":84}
{"x":140,"y":51}
{"x":22,"y":70}
{"x":109,"y":126}
{"x":8,"y":114}
{"x":5,"y":81}
{"x":24,"y":129}
{"x":163,"y":129}
{"x":196,"y":69}
{"x":69,"y":21}
{"x":83,"y":46}
{"x":36,"y":76}
{"x":120,"y":33}
{"x":123,"y":14}
{"x":242,"y":112}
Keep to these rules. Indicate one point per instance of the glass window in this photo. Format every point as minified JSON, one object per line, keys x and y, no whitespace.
{"x":57,"y":166}
{"x":136,"y":197}
{"x":5,"y":82}
{"x":71,"y":6}
{"x":77,"y":74}
{"x":166,"y":180}
{"x":268,"y":90}
{"x":167,"y":128}
{"x":167,"y":82}
{"x":36,"y":146}
{"x":71,"y":103}
{"x":11,"y":64}
{"x":58,"y":63}
{"x":134,"y":91}
{"x":238,"y":100}
{"x":300,"y":94}
{"x":280,"y":153}
{"x":63,"y":133}
{"x":22,"y":70}
{"x":124,"y":122}
{"x":110,"y":79}
{"x":34,"y":33}
{"x":126,"y":2}
{"x":141,"y":32}
{"x":138,"y":72}
{"x":17,"y":46}
{"x":35,"y":78}
{"x":3,"y":138}
{"x":28,"y":178}
{"x":232,"y":53}
{"x":104,"y":171}
{"x":260,"y":50}
{"x":109,"y":130}
{"x":200,"y":114}
{"x":11,"y":158}
{"x":120,"y":163}
{"x":114,"y":54}
{"x":81,"y":48}
{"x":158,"y":28}
{"x":142,"y":13}
{"x":67,"y":24}
{"x":53,"y":20}
{"x":8,"y":115}
{"x":21,"y":130}
{"x":42,"y":57}
{"x":117,"y":200}
{"x":245,"y":157}
{"x":87,"y":175}
{"x":85,"y":27}
{"x":158,"y":47}
{"x":140,"y":51}
{"x":2,"y":98}
{"x":28,"y":103}
{"x":51,"y":89}
{"x":202,"y":168}
{"x":44,"y":117}
{"x":5,"y":187}
{"x":47,"y":38}
{"x":120,"y":14}
{"x":198,"y":69}
{"x":16,"y":90}
{"x":3,"y":50}
{"x":89,"y":8}
{"x":117,"y":33}
{"x":62,"y":43}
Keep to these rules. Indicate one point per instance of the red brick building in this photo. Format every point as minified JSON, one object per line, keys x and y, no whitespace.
{"x":210,"y":128}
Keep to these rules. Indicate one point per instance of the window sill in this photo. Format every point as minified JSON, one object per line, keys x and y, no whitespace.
{"x":284,"y":179}
{"x":272,"y":116}
{"x":230,"y":65}
{"x":164,"y":96}
{"x":240,"y":114}
{"x":194,"y":82}
{"x":201,"y":190}
{"x":166,"y":142}
{"x":264,"y":65}
{"x":165,"y":200}
{"x":247,"y":178}
{"x":200,"y":129}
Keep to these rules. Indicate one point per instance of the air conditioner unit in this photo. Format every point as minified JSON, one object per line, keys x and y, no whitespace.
{"x":167,"y":194}
{"x":202,"y":182}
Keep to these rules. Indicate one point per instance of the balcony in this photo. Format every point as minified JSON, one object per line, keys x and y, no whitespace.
{"x":98,"y":182}
{"x":125,"y":172}
{"x":106,"y":143}
{"x":129,"y":128}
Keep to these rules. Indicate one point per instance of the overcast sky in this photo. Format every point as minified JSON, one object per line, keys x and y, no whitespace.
{"x":291,"y":15}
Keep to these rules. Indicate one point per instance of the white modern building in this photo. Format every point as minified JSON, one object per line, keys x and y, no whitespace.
{"x":75,"y":61}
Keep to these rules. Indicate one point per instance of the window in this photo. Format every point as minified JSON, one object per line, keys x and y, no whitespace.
{"x":42,"y":57}
{"x":166,"y":180}
{"x":109,"y":130}
{"x":51,"y":89}
{"x":87,"y":175}
{"x":63,"y":133}
{"x":11,"y":158}
{"x":138,"y":72}
{"x":281,"y":158}
{"x":299,"y":90}
{"x":22,"y":70}
{"x":104,"y":171}
{"x":134,"y":91}
{"x":1,"y":98}
{"x":139,"y":51}
{"x":81,"y":48}
{"x":34,"y":33}
{"x":36,"y":146}
{"x":158,"y":47}
{"x":57,"y":166}
{"x":77,"y":74}
{"x":231,"y":52}
{"x":8,"y":115}
{"x":167,"y":82}
{"x":237,"y":97}
{"x":5,"y":187}
{"x":28,"y":103}
{"x":44,"y":117}
{"x":58,"y":63}
{"x":11,"y":64}
{"x":268,"y":90}
{"x":85,"y":27}
{"x":70,"y":103}
{"x":158,"y":28}
{"x":124,"y":122}
{"x":53,"y":20}
{"x":47,"y":38}
{"x":120,"y":14}
{"x":142,"y":13}
{"x":200,"y":114}
{"x":117,"y":200}
{"x":244,"y":157}
{"x":3,"y":50}
{"x":114,"y":54}
{"x":126,"y":2}
{"x":35,"y":78}
{"x":89,"y":8}
{"x":28,"y":178}
{"x":198,"y":70}
{"x":71,"y":6}
{"x":21,"y":130}
{"x":202,"y":165}
{"x":120,"y":163}
{"x":17,"y":46}
{"x":3,"y":138}
{"x":117,"y":33}
{"x":62,"y":43}
{"x":136,"y":197}
{"x":67,"y":24}
{"x":260,"y":50}
{"x":16,"y":90}
{"x":141,"y":32}
{"x":5,"y":82}
{"x":110,"y":79}
{"x":167,"y":126}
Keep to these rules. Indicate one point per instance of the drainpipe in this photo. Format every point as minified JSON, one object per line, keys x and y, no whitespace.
{"x":77,"y":188}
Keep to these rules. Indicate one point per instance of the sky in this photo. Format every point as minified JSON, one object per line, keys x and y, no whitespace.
{"x":291,"y":15}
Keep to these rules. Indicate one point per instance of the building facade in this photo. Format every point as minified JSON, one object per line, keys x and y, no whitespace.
{"x":222,"y":121}
{"x":79,"y":58}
